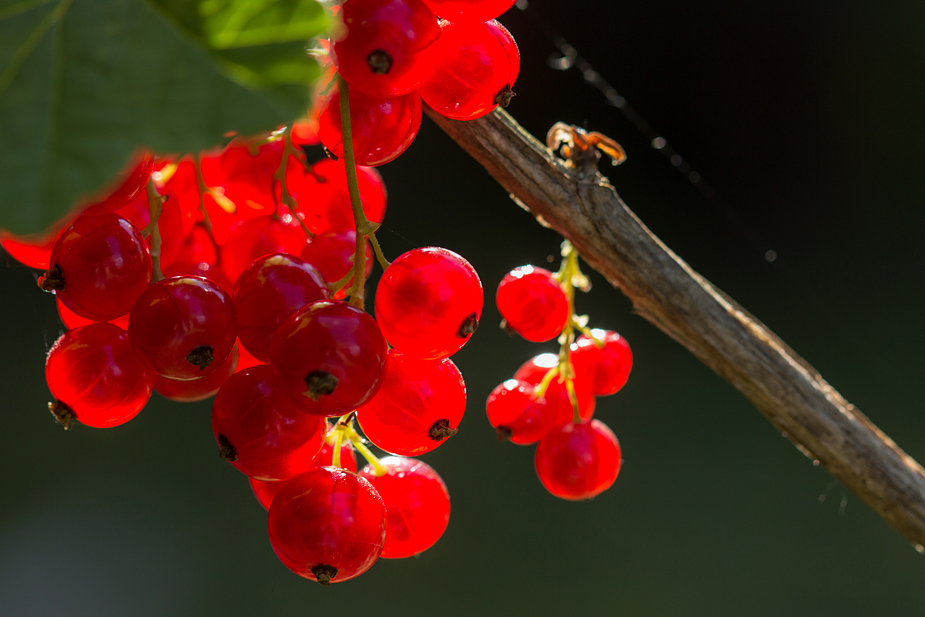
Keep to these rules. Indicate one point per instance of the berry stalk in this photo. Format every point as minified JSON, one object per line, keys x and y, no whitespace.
{"x":155,"y":203}
{"x":280,"y":176}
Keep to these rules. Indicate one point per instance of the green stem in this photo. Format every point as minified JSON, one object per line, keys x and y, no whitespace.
{"x":280,"y":176}
{"x":338,"y":440}
{"x":383,"y":262}
{"x":155,"y":202}
{"x":367,"y":454}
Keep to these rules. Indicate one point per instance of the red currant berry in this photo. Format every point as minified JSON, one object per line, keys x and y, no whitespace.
{"x":257,"y":237}
{"x":534,"y":370}
{"x":260,"y":431}
{"x":416,"y":502}
{"x":96,"y":378}
{"x":99,"y":267}
{"x":382,"y":128}
{"x":132,"y":184}
{"x":519,"y":416}
{"x":324,"y":199}
{"x":419,"y":404}
{"x":388,"y":48}
{"x":608,"y":365}
{"x":428,"y":302}
{"x":269,"y":290}
{"x":469,"y":11}
{"x":479,"y":63}
{"x":243,"y":174}
{"x":332,"y":254}
{"x":578,"y":461}
{"x":33,"y":250}
{"x":192,"y":390}
{"x":330,"y":355}
{"x":533,"y":303}
{"x":327,"y":525}
{"x":183,"y":327}
{"x":182,"y":250}
{"x":245,"y":360}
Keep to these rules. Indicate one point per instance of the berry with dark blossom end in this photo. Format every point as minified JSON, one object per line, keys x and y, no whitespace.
{"x":533,"y":303}
{"x":578,"y":461}
{"x":478,"y":65}
{"x":192,"y":390}
{"x":388,"y":46}
{"x":327,"y":525}
{"x":520,"y":416}
{"x":330,"y":356}
{"x":429,"y":302}
{"x":96,"y":378}
{"x":608,"y":365}
{"x":99,"y":266}
{"x":260,"y":431}
{"x":268,"y":292}
{"x":417,"y":505}
{"x":419,"y":405}
{"x":381,"y":127}
{"x":183,"y":327}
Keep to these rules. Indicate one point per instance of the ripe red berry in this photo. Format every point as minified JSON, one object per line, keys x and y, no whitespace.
{"x":95,"y":376}
{"x":258,"y":237}
{"x":469,"y":11}
{"x":327,"y":525}
{"x":70,"y":319}
{"x":332,"y":254}
{"x":419,"y":404}
{"x":519,"y":416}
{"x":260,"y":431}
{"x":534,"y":370}
{"x":192,"y":390}
{"x":330,"y":355}
{"x":99,"y":266}
{"x":268,"y":292}
{"x":382,"y":127}
{"x":533,"y":303}
{"x":609,"y":366}
{"x":479,"y":63}
{"x":388,"y":47}
{"x":324,"y":199}
{"x":428,"y":302}
{"x":183,"y":327}
{"x":578,"y":461}
{"x":417,"y":505}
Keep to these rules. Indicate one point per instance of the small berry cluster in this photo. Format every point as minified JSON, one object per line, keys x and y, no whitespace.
{"x":396,"y":55}
{"x":551,"y":398}
{"x":263,"y":307}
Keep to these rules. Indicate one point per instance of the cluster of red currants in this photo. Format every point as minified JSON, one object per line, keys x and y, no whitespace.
{"x":396,"y":54}
{"x":551,"y":398}
{"x":260,"y":310}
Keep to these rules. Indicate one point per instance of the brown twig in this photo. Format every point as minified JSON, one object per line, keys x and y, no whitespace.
{"x":724,"y":336}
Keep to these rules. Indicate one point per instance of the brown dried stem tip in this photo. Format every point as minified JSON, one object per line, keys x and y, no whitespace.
{"x":469,"y":325}
{"x":62,"y":413}
{"x":52,"y":280}
{"x":441,"y":430}
{"x":324,"y":574}
{"x":201,"y":356}
{"x":226,"y":450}
{"x":320,"y":383}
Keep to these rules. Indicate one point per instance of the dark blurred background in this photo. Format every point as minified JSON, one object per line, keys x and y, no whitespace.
{"x":805,"y":122}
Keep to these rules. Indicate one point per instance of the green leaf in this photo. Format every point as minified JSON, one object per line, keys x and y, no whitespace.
{"x":84,"y":83}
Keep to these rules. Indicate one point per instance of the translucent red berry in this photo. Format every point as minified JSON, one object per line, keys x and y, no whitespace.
{"x":183,"y":327}
{"x":382,"y":127}
{"x":478,"y":65}
{"x":388,"y":46}
{"x":532,"y":303}
{"x":262,"y":432}
{"x":324,"y":199}
{"x":70,"y":319}
{"x":520,"y":416}
{"x":333,"y":253}
{"x":99,"y":266}
{"x":428,"y":302}
{"x":417,"y":505}
{"x":469,"y":11}
{"x":534,"y":370}
{"x":327,"y":525}
{"x":578,"y":461}
{"x":258,"y":237}
{"x":330,"y":355}
{"x":419,"y":405}
{"x":96,"y":378}
{"x":608,"y":365}
{"x":268,"y":292}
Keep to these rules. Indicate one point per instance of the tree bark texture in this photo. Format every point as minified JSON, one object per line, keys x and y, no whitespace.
{"x":585,"y":209}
